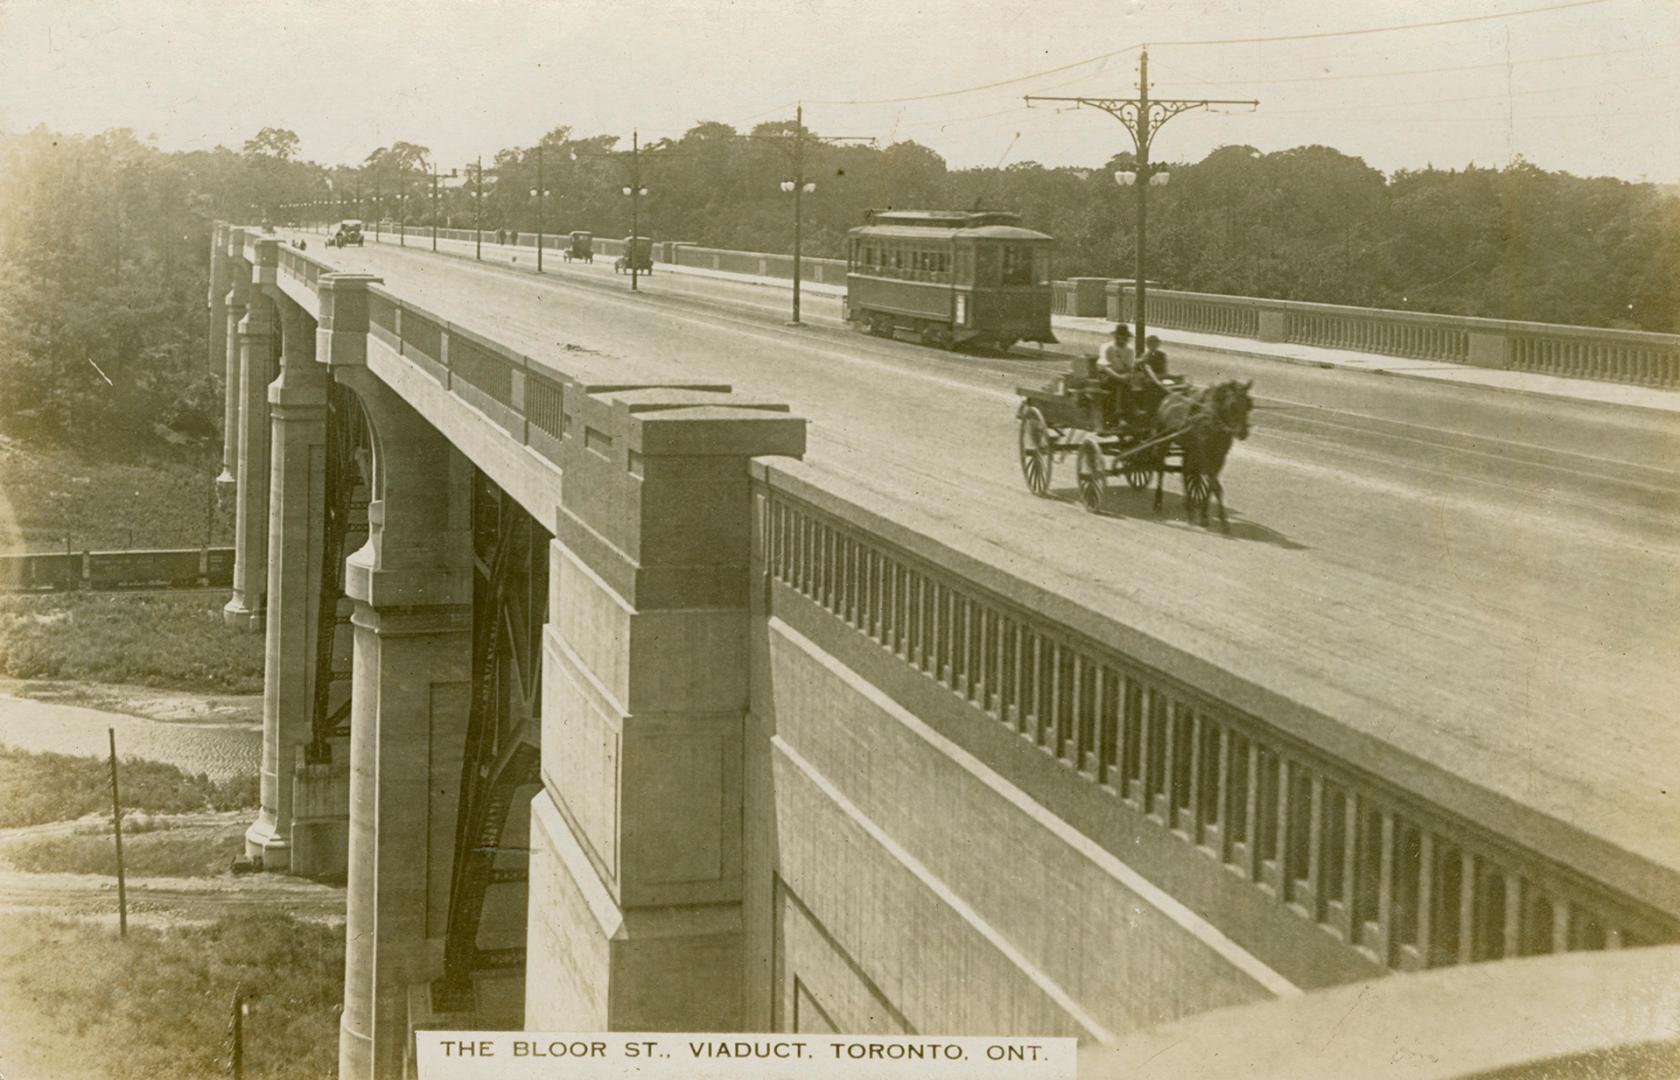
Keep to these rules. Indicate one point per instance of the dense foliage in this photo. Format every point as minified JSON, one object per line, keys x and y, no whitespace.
{"x":103,"y":239}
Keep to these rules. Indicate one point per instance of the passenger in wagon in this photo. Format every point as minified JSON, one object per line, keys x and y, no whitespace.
{"x":1148,"y":383}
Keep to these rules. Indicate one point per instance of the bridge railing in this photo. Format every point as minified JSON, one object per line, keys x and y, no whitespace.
{"x":1581,"y":352}
{"x":1404,"y":863}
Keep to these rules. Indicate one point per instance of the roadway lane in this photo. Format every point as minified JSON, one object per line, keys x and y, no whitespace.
{"x":1488,"y":581}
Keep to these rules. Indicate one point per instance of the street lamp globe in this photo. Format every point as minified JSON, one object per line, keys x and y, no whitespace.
{"x":1125,"y":178}
{"x":786,"y":185}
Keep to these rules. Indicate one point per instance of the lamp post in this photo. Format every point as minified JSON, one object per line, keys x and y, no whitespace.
{"x":540,"y":193}
{"x":1154,"y":176}
{"x":478,"y":208}
{"x":798,"y":187}
{"x":635,"y":191}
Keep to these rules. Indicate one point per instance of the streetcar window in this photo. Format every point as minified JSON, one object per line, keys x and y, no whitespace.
{"x":1017,"y":265}
{"x":1041,"y":266}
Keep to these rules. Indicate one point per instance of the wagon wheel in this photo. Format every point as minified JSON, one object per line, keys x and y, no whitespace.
{"x":1139,"y":474}
{"x":1037,"y":458}
{"x":1092,"y":469}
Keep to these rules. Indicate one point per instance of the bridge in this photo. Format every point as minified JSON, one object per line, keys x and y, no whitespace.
{"x":646,"y":663}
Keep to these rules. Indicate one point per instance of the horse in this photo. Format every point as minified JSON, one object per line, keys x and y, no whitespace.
{"x":1205,"y":422}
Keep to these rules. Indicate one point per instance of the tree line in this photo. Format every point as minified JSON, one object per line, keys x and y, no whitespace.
{"x":104,"y":239}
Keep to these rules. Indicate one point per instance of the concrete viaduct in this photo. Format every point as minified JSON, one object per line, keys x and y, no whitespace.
{"x":616,"y":720}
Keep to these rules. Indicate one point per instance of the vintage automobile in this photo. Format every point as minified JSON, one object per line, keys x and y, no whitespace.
{"x":581,"y":248}
{"x":639,"y":249}
{"x":951,"y":277}
{"x":345,"y":233}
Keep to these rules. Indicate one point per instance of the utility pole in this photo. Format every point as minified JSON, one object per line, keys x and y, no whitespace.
{"x":542,"y":206}
{"x":116,"y":827}
{"x":478,"y":209}
{"x":238,"y":1061}
{"x":800,"y":186}
{"x":635,"y":194}
{"x":435,"y":204}
{"x":1142,"y":117}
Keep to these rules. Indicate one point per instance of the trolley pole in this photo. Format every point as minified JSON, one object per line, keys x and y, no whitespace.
{"x":116,"y":827}
{"x":1140,"y":281}
{"x":1142,"y":117}
{"x":478,"y":209}
{"x":794,"y":146}
{"x":798,"y":194}
{"x":635,"y":202}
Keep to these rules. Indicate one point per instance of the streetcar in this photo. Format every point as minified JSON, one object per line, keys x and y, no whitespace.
{"x":951,"y":277}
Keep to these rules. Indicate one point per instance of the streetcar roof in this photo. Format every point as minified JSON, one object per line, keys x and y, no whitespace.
{"x":949,"y":219}
{"x":984,"y":232}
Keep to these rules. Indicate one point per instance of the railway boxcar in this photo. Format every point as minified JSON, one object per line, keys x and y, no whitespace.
{"x":949,"y":276}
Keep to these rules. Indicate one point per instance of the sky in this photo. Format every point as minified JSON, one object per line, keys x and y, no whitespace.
{"x":1589,"y":86}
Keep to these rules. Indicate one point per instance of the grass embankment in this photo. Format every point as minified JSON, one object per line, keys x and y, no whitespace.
{"x":176,"y":640}
{"x":176,"y":851}
{"x":39,"y":788}
{"x":159,"y":1004}
{"x":159,"y":500}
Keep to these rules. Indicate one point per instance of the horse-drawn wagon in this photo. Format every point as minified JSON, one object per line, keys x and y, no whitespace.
{"x":1189,"y":432}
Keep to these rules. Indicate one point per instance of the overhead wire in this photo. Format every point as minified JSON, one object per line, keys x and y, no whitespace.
{"x":1431,"y":24}
{"x":1417,"y":71}
{"x":1476,"y":97}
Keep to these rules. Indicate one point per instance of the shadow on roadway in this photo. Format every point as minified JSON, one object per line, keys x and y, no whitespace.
{"x":1140,"y":506}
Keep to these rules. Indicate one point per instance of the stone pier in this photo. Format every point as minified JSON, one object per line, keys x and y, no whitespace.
{"x":412,"y":587}
{"x":234,"y":283}
{"x":635,"y":910}
{"x":297,"y":405}
{"x":250,"y":560}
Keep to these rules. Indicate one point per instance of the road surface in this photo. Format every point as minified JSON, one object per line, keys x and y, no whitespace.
{"x":1486,"y":580}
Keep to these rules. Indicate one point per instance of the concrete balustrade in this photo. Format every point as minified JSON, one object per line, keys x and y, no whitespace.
{"x":1626,"y":356}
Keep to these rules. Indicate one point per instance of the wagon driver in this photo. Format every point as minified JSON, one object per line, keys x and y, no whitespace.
{"x":1115,"y":367}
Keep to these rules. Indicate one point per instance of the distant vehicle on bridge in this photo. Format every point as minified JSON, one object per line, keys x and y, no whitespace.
{"x":345,"y":233}
{"x":638,"y":256}
{"x":954,"y":278}
{"x":581,"y":247}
